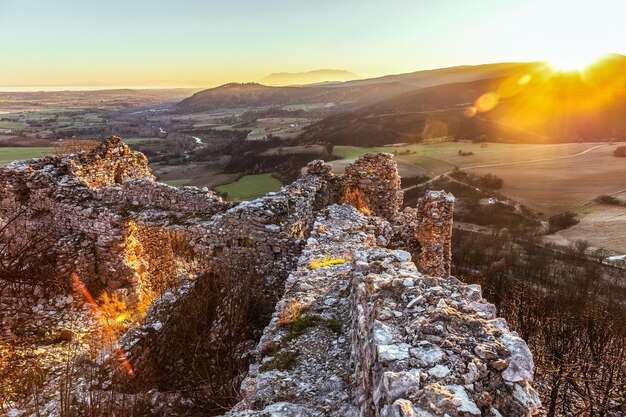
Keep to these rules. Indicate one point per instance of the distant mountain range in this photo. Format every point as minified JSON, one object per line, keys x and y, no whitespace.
{"x":320,"y":76}
{"x":519,"y":102}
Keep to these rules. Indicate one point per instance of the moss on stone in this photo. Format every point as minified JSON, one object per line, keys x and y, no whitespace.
{"x":282,"y":361}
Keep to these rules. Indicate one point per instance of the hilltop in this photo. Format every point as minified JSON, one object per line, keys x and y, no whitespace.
{"x":309,"y":77}
{"x":248,"y":95}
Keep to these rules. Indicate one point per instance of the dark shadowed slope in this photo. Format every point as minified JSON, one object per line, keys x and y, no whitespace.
{"x":526,"y":106}
{"x":257,"y":95}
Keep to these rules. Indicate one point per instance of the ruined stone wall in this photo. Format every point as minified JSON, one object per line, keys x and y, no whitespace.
{"x":361,"y":332}
{"x":426,"y":232}
{"x":142,"y":195}
{"x":368,"y":322}
{"x":426,"y":345}
{"x":90,"y":204}
{"x":158,"y":251}
{"x":111,"y":162}
{"x":270,"y":231}
{"x":374,"y":179}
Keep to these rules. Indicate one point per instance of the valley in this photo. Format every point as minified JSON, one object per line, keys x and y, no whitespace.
{"x":243,"y":140}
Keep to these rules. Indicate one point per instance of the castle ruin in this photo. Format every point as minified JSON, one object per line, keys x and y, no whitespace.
{"x":389,"y":332}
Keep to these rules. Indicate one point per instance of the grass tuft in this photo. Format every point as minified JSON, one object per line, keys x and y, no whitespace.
{"x":283,"y":361}
{"x":334,"y":325}
{"x":321,"y":263}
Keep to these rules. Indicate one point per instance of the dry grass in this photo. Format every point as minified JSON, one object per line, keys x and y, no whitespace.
{"x":356,"y":199}
{"x":290,"y":313}
{"x":327,"y":261}
{"x":600,"y":224}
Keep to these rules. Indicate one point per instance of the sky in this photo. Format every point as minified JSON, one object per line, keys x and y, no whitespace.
{"x":203,"y":43}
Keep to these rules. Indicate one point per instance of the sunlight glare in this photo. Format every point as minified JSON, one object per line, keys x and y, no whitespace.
{"x":572,"y":62}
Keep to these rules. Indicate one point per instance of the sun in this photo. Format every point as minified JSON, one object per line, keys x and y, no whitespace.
{"x":573,"y":62}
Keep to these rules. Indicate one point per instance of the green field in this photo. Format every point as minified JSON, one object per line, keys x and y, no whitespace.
{"x":12,"y":154}
{"x":135,"y":141}
{"x":249,"y":187}
{"x":11,"y":125}
{"x":177,"y":183}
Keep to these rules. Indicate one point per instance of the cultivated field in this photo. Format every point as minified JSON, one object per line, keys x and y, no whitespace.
{"x":12,"y":154}
{"x":250,"y":186}
{"x":5,"y":124}
{"x":562,"y":184}
{"x":549,"y":178}
{"x":601,"y":225}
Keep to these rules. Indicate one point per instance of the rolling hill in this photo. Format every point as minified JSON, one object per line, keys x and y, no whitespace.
{"x":531,"y":104}
{"x":309,"y":77}
{"x":256,"y":95}
{"x":363,"y":92}
{"x":512,"y":102}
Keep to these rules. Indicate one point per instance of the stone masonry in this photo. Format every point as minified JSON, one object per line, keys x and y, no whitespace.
{"x":368,"y":320}
{"x":382,"y":339}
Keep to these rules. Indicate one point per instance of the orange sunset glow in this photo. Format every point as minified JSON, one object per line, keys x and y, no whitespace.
{"x":292,"y":208}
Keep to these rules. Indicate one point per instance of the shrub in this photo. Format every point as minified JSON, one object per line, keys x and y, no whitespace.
{"x":620,"y":151}
{"x":487,"y":181}
{"x":27,"y":262}
{"x":562,"y":221}
{"x":608,"y":199}
{"x":229,"y":309}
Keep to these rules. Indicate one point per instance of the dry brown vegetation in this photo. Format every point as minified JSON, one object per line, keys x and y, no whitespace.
{"x":355,"y":198}
{"x":562,"y":304}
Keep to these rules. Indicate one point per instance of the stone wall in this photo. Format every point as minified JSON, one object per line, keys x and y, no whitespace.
{"x":361,"y":332}
{"x":106,"y":219}
{"x":111,"y":162}
{"x":426,"y":232}
{"x":374,"y":179}
{"x":432,"y":346}
{"x":368,"y":321}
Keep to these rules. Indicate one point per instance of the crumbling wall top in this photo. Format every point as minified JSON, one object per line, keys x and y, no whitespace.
{"x":111,"y":162}
{"x":374,"y":179}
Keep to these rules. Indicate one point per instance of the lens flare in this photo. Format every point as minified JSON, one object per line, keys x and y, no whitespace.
{"x":470,"y":111}
{"x":486,"y":102}
{"x":109,"y":334}
{"x":524,"y":79}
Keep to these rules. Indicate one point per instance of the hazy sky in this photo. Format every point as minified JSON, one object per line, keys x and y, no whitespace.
{"x":209,"y":42}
